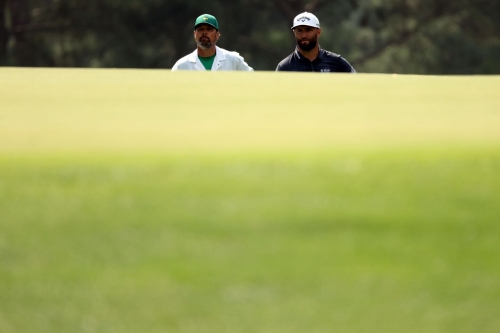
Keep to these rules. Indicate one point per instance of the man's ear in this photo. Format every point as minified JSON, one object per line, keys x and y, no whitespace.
{"x":217,"y":36}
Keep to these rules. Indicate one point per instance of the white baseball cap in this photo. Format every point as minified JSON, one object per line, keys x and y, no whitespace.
{"x":305,"y":19}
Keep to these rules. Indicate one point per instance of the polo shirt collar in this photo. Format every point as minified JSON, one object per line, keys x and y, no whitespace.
{"x":302,"y":58}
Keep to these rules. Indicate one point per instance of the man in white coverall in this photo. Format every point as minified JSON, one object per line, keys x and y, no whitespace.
{"x":207,"y":55}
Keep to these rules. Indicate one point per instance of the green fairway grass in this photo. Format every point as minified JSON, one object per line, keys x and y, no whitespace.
{"x":158,"y":201}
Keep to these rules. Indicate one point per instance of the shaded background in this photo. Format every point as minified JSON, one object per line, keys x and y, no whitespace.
{"x":402,"y":36}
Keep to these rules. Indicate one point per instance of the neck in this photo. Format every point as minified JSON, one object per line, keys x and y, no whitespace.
{"x":206,"y":52}
{"x":311,"y":55}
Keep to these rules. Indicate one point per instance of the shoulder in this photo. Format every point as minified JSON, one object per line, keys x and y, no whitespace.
{"x":230,"y":54}
{"x":234,"y":58}
{"x":285,"y":64}
{"x":183,"y":63}
{"x":330,"y":54}
{"x":338,"y":60}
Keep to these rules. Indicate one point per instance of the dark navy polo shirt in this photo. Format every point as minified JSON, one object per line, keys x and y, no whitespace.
{"x":325,"y":62}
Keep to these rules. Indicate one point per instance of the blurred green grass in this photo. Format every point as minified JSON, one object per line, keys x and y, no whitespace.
{"x":357,"y":212}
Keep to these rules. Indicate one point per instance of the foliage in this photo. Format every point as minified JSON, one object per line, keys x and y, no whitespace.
{"x":404,"y":36}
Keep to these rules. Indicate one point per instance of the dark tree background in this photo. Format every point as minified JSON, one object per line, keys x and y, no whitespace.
{"x":390,"y":36}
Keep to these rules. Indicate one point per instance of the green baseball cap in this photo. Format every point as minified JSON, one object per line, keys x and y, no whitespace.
{"x":207,"y":19}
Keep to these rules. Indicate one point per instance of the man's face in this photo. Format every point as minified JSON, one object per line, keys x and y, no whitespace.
{"x":206,"y":36}
{"x":307,"y":37}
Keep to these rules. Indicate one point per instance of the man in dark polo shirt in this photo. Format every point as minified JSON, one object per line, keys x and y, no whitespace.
{"x":308,"y":55}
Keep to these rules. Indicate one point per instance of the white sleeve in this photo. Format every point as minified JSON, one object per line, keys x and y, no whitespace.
{"x":242,"y":65}
{"x":176,"y":66}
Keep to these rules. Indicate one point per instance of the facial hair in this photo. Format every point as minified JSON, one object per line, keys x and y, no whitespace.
{"x":308,"y":47}
{"x":205,"y":44}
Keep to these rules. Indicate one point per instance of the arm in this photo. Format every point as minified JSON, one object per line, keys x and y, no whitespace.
{"x":243,"y":66}
{"x":346,"y":66}
{"x":177,"y":65}
{"x":280,"y":68}
{"x":183,"y":64}
{"x":284,"y":65}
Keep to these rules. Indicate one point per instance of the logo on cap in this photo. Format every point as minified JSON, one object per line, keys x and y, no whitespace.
{"x":205,"y":18}
{"x":303,"y":18}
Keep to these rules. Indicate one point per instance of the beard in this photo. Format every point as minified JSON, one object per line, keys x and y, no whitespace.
{"x":205,"y":43}
{"x":309,"y":46}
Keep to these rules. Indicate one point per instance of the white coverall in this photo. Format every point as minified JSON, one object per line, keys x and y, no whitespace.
{"x":224,"y":61}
